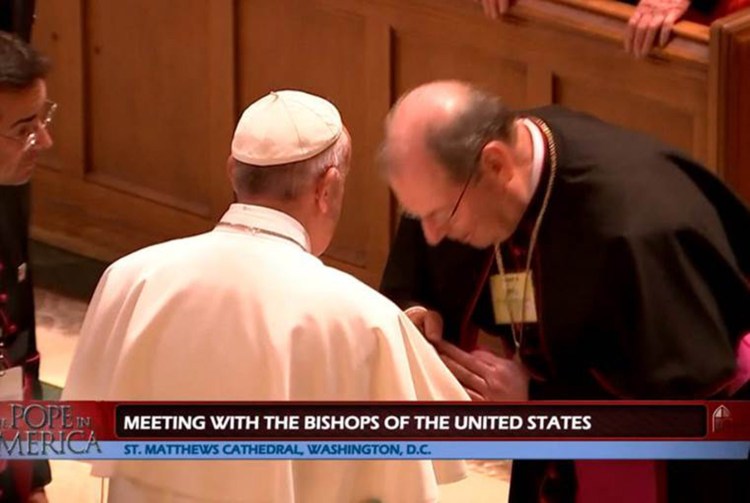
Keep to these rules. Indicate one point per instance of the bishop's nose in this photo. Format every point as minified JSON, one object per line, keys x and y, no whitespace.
{"x":433,"y":234}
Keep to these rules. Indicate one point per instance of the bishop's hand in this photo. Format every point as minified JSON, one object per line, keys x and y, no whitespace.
{"x":485,"y":375}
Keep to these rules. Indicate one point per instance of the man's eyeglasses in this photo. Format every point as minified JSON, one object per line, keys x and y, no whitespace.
{"x":443,"y":218}
{"x":460,"y":197}
{"x":31,"y":138}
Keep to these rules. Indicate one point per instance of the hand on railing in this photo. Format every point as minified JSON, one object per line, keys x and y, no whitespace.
{"x":494,"y":8}
{"x":652,"y":18}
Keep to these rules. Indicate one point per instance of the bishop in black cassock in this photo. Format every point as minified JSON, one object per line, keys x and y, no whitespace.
{"x":641,"y":287}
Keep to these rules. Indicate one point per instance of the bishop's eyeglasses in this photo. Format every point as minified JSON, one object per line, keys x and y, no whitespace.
{"x":443,"y":218}
{"x":31,"y":138}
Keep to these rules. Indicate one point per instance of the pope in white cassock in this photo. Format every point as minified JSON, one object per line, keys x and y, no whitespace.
{"x":247,"y":312}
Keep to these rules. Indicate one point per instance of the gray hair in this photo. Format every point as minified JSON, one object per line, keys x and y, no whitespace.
{"x":289,"y":181}
{"x":458,"y":144}
{"x":20,"y":64}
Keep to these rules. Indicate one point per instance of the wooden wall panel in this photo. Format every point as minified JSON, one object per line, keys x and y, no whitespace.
{"x":533,"y":64}
{"x":146,"y":95}
{"x":58,"y":32}
{"x":422,"y":57}
{"x":621,"y":106}
{"x":148,"y":99}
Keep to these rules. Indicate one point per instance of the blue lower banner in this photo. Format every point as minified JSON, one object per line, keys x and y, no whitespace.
{"x":334,"y":449}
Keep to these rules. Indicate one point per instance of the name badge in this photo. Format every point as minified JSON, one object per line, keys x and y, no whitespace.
{"x":507,"y":298}
{"x":11,"y":384}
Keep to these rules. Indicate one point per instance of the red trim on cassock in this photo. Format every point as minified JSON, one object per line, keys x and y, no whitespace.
{"x":21,"y":471}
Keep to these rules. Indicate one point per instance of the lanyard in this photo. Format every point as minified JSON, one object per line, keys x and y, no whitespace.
{"x":518,"y":334}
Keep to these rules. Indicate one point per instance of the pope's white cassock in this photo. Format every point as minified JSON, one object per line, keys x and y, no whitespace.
{"x":246,"y":313}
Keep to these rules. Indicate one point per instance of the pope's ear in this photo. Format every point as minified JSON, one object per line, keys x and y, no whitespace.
{"x":231,"y":169}
{"x":231,"y":165}
{"x":329,"y":186}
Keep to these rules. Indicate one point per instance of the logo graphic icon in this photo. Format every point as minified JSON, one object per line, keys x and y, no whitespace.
{"x":721,"y":418}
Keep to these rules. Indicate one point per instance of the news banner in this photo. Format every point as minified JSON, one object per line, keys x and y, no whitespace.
{"x":382,"y":430}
